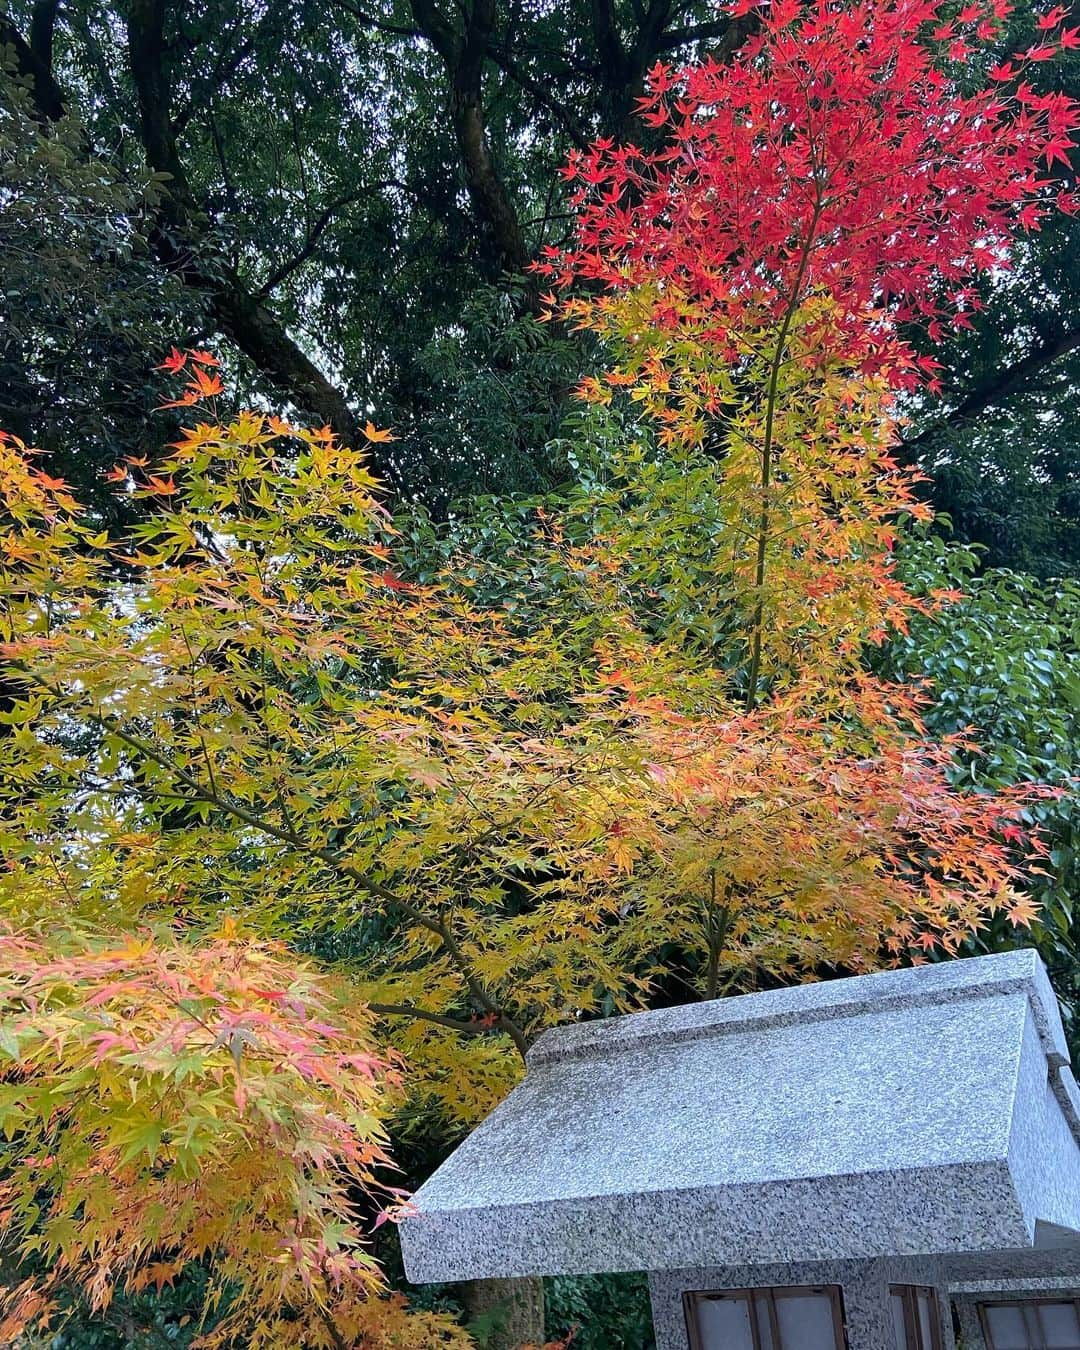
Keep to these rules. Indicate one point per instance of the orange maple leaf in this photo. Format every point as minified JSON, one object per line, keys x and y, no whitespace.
{"x":206,"y":385}
{"x":1022,"y":910}
{"x":161,"y":487}
{"x":372,"y":432}
{"x":50,"y":484}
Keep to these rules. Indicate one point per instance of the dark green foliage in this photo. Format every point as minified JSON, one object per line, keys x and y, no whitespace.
{"x":84,"y":311}
{"x":486,"y":398}
{"x":604,"y":1312}
{"x":1005,"y":662}
{"x":149,"y":1321}
{"x":1011,"y":486}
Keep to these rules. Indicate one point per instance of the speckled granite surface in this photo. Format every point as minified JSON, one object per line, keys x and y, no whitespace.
{"x":912,"y":1112}
{"x":1009,"y":973}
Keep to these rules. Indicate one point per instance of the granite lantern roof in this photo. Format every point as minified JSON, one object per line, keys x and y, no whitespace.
{"x":914,"y":1112}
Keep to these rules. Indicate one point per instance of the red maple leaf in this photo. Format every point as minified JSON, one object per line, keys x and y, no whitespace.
{"x":393,"y":582}
{"x":175,"y":361}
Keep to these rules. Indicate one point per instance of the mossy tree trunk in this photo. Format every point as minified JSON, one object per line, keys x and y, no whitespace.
{"x":509,"y":1313}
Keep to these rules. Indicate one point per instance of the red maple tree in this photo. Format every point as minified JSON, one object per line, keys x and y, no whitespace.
{"x":831,"y":183}
{"x":836,"y":156}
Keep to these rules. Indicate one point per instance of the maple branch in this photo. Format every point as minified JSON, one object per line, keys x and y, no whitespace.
{"x":766,"y":454}
{"x":330,"y":856}
{"x":718,"y":925}
{"x":337,"y":1339}
{"x":462,"y":1024}
{"x":193,"y":694}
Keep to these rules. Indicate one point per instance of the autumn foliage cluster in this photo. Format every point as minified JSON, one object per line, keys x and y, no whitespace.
{"x":147,"y":1066}
{"x":754,"y":274}
{"x":494,"y":817}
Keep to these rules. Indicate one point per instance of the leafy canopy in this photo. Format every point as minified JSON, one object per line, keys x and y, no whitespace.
{"x":513,"y":812}
{"x":752,"y":274}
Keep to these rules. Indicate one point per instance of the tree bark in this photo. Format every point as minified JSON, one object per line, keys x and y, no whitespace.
{"x":48,"y":101}
{"x":178,"y":241}
{"x":42,"y":28}
{"x":463,"y":54}
{"x":514,"y":1307}
{"x":623,"y":67}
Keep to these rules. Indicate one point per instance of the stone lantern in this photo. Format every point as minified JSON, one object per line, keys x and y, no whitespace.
{"x":860,"y":1164}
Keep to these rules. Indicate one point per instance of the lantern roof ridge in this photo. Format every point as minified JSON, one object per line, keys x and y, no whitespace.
{"x":888,"y":990}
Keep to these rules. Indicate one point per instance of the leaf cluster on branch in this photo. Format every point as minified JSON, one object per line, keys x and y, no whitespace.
{"x":140,"y":1065}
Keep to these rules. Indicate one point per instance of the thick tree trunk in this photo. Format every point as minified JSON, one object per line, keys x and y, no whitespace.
{"x":513,"y":1309}
{"x":178,"y":241}
{"x":48,"y":100}
{"x":464,"y":54}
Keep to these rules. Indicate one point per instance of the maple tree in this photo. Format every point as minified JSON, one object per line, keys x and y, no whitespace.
{"x":499,"y":816}
{"x":753,"y":274}
{"x":143,"y":1065}
{"x":272,"y":720}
